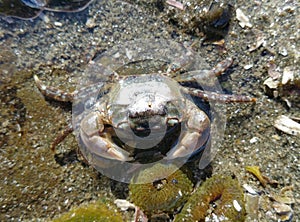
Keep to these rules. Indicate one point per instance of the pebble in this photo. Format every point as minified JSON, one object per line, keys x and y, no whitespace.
{"x":283,"y":52}
{"x":249,"y":66}
{"x":90,"y":23}
{"x":124,"y":205}
{"x":58,"y":24}
{"x":253,"y":140}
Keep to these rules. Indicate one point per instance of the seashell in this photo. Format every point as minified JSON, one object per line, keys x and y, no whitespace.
{"x":287,"y":125}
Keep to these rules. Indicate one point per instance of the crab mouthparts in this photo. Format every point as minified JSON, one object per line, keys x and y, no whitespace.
{"x":144,"y":125}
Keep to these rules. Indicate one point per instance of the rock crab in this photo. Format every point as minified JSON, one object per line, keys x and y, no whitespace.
{"x":141,"y":118}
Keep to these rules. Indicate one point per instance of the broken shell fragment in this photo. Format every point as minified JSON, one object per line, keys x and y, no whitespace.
{"x":271,"y":87}
{"x":287,"y":125}
{"x":273,"y":72}
{"x":260,"y":40}
{"x":250,"y":190}
{"x":284,"y":211}
{"x":244,"y":21}
{"x":287,"y":76}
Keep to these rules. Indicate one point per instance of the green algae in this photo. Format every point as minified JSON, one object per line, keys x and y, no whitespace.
{"x":100,"y":211}
{"x":217,"y":187}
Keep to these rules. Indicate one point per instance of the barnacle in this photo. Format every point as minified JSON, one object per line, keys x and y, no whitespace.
{"x":100,"y":210}
{"x":169,"y":190}
{"x":230,"y":206}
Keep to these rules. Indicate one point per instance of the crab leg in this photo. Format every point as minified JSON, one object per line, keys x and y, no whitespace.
{"x":69,"y":129}
{"x":195,"y":136}
{"x":52,"y":92}
{"x":204,"y":75}
{"x":223,"y":98}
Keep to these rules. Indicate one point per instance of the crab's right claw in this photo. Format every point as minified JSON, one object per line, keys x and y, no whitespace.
{"x":194,"y":137}
{"x":91,"y":128}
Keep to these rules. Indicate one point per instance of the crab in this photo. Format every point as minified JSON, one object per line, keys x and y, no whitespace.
{"x":144,"y":118}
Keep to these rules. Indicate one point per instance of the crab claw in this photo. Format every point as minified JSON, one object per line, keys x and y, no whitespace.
{"x":91,"y":129}
{"x":195,"y":136}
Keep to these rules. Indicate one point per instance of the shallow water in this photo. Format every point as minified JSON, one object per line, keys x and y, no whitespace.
{"x":58,"y":46}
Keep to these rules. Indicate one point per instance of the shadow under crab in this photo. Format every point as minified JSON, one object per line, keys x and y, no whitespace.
{"x":127,"y":122}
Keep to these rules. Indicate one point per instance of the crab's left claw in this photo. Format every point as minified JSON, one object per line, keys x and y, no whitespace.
{"x":195,"y":136}
{"x":91,"y":133}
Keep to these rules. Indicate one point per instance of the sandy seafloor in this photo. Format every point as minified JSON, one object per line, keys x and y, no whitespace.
{"x":35,"y":186}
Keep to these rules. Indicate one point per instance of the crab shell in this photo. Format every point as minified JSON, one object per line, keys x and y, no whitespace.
{"x":140,"y":110}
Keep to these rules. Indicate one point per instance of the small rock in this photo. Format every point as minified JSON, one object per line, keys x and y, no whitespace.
{"x":90,"y":23}
{"x":58,"y":24}
{"x":283,"y":52}
{"x":124,"y":204}
{"x":248,"y":66}
{"x":254,"y":140}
